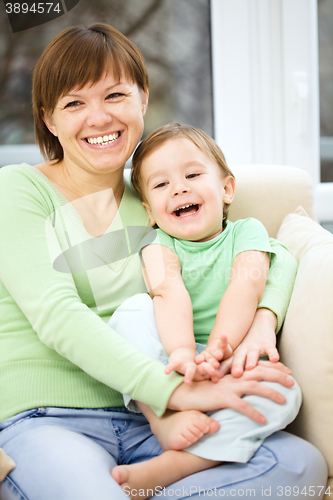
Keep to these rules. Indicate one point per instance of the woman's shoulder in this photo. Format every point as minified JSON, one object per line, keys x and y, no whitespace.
{"x":20,"y":172}
{"x":18,"y":182}
{"x":13,"y":177}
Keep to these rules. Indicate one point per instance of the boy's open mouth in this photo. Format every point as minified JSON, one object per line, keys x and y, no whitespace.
{"x":186,"y":210}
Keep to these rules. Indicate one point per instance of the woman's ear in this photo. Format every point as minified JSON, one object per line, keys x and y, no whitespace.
{"x":49,"y":122}
{"x":145,"y":97}
{"x":150,"y":215}
{"x":229,"y":185}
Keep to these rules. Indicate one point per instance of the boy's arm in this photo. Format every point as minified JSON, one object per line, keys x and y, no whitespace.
{"x":172,"y":307}
{"x":173,"y":313}
{"x":239,"y":303}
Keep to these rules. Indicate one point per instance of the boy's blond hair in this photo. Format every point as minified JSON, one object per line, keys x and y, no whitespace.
{"x":175,"y":131}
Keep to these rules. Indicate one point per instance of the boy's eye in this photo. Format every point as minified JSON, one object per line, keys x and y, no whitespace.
{"x":160,"y":184}
{"x":115,"y":95}
{"x":191,"y":176}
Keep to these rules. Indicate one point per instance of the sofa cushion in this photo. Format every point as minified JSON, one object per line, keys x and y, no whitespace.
{"x":306,"y":343}
{"x":269,"y":193}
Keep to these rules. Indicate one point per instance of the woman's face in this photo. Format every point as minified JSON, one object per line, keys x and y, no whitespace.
{"x":99,"y":126}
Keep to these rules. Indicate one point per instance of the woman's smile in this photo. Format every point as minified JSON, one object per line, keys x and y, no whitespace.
{"x":103,"y":140}
{"x":99,"y":125}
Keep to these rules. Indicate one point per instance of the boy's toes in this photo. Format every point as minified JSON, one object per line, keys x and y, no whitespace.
{"x":120,"y":474}
{"x":213,"y":427}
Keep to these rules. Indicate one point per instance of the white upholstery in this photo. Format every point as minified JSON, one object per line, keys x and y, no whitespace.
{"x":269,"y":193}
{"x":272,"y":194}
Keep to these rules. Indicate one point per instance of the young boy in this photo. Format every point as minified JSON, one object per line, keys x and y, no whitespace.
{"x":206,"y":277}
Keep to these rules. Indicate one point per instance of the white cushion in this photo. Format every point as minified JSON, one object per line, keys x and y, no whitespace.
{"x":269,"y":193}
{"x":306,"y":344}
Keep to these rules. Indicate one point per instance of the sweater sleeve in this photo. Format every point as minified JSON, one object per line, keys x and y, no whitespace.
{"x":50,"y":301}
{"x":280,"y":282}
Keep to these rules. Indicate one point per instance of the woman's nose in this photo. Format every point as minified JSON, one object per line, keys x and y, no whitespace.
{"x":98,"y":116}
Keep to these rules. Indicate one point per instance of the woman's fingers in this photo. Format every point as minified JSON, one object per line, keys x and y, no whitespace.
{"x":244,"y":407}
{"x":278,"y":366}
{"x":270,"y":372}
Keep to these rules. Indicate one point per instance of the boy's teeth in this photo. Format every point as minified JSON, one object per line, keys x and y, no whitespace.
{"x":105,"y":139}
{"x":184,"y":206}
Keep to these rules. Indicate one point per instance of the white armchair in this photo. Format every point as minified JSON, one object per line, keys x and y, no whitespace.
{"x":282,"y":199}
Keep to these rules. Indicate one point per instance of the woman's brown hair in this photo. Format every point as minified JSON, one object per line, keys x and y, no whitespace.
{"x":75,"y":57}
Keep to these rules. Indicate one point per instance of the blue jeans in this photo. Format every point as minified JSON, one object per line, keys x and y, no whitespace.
{"x":67,"y":454}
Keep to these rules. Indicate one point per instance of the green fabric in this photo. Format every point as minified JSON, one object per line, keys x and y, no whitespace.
{"x":55,"y":348}
{"x":206,"y":268}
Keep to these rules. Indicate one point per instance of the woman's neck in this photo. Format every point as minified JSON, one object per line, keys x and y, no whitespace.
{"x":96,"y":197}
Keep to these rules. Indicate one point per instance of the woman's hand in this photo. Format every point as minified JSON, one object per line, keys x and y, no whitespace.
{"x":228,"y":391}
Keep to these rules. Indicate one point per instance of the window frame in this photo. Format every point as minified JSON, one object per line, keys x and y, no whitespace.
{"x":266,"y":105}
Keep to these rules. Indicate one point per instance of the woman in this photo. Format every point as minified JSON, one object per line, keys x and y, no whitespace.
{"x":69,"y":234}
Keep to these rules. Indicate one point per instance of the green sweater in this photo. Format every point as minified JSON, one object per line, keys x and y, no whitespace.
{"x":55,"y":346}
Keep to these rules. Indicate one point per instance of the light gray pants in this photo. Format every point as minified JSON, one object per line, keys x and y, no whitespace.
{"x":238,"y":437}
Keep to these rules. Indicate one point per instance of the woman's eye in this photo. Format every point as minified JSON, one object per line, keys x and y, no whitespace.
{"x":72,"y":104}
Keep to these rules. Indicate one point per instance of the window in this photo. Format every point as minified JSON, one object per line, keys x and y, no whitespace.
{"x":266,"y":87}
{"x":174,"y":37}
{"x":325,"y":38}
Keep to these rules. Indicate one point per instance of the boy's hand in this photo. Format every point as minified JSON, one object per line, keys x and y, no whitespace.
{"x":215,"y":351}
{"x":259,"y":341}
{"x":182,"y":361}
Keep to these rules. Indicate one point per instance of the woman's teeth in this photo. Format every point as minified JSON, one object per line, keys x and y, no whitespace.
{"x":104,"y":139}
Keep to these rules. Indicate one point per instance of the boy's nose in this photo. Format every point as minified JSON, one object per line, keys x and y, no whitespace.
{"x":180,"y":191}
{"x":180,"y":187}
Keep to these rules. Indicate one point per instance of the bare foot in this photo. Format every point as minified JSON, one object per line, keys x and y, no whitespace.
{"x":145,"y":479}
{"x":178,"y":430}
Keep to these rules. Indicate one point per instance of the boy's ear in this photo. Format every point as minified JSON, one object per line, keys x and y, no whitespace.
{"x":229,"y":185}
{"x":48,"y":120}
{"x":150,"y":215}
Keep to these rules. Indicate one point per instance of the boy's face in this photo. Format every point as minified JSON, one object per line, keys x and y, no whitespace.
{"x":185,"y":190}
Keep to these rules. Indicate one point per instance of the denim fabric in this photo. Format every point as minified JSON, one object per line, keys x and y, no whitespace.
{"x":67,"y":454}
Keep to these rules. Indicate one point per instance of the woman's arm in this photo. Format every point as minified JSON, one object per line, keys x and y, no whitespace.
{"x":57,"y":324}
{"x":280,"y":282}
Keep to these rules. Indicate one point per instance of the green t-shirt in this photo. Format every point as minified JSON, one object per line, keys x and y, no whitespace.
{"x":206,"y":267}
